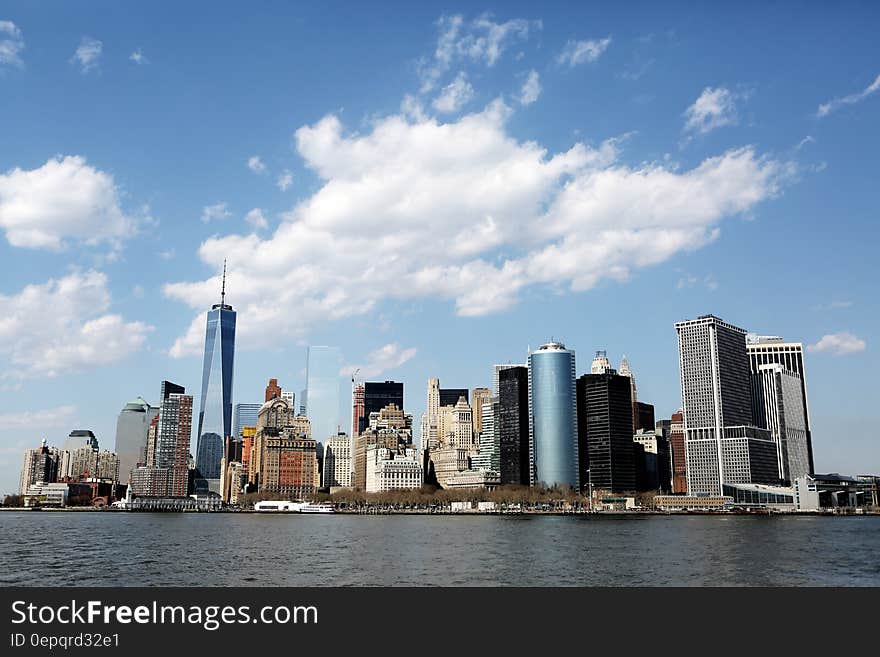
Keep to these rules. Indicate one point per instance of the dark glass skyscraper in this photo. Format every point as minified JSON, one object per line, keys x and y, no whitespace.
{"x":605,"y":432}
{"x":215,"y":405}
{"x":512,"y":424}
{"x":377,"y":395}
{"x":450,"y":396}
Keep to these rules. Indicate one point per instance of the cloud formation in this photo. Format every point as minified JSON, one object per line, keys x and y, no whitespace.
{"x":531,"y":89}
{"x":11,"y":44}
{"x":461,"y":211}
{"x":215,"y":212}
{"x":455,"y":95}
{"x":713,"y":109}
{"x":839,"y":344}
{"x":59,"y":416}
{"x":138,"y":57}
{"x":380,"y":360}
{"x":88,"y":54}
{"x":481,"y":40}
{"x":285,"y":180}
{"x":256,"y":218}
{"x":63,"y":326}
{"x":255,"y":164}
{"x":63,"y":201}
{"x":578,"y":52}
{"x":826,"y":108}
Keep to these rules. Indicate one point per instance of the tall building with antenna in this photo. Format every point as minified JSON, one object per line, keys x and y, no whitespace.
{"x":215,"y":403}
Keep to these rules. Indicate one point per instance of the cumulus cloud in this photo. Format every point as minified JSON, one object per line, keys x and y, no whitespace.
{"x":47,"y":418}
{"x":215,"y":212}
{"x":714,"y":108}
{"x":285,"y":180}
{"x":578,"y":52}
{"x":455,"y":95}
{"x":826,"y":108}
{"x":462,"y":211}
{"x":138,"y":57}
{"x":531,"y":89}
{"x":839,"y":344}
{"x":380,"y":360}
{"x":255,"y":164}
{"x":63,"y":201}
{"x":63,"y":326}
{"x":11,"y":44}
{"x":256,"y":218}
{"x":481,"y":40}
{"x":88,"y":54}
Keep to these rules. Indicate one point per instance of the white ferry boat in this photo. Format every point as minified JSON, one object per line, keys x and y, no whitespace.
{"x":283,"y":506}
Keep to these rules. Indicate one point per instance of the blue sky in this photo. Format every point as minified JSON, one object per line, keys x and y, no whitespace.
{"x":436,"y":187}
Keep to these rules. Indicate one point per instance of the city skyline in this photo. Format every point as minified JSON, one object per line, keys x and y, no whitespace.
{"x":98,"y":299}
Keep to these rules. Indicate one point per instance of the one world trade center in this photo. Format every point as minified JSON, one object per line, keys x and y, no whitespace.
{"x":215,"y":408}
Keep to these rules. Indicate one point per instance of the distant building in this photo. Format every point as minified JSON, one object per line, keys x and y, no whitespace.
{"x":496,"y":374}
{"x":450,"y":396}
{"x":289,"y":397}
{"x":644,"y":416}
{"x":512,"y":424}
{"x":390,"y":469}
{"x":244,"y":415}
{"x":779,"y":408}
{"x":377,"y":395}
{"x":131,"y":435}
{"x":722,"y":444}
{"x":489,"y":455}
{"x":677,"y":448}
{"x":337,"y":461}
{"x":273,"y":390}
{"x":479,"y":396}
{"x":605,"y":432}
{"x":357,"y":410}
{"x":764,"y":350}
{"x":553,"y":433}
{"x":40,"y":466}
{"x":166,"y":473}
{"x":391,"y":429}
{"x":654,"y":471}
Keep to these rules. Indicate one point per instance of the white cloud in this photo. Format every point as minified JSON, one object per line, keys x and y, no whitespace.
{"x":803,"y":142}
{"x":48,"y":418}
{"x":167,"y":255}
{"x":215,"y":212}
{"x":578,"y":52}
{"x":64,"y":200}
{"x":11,"y":44}
{"x":256,"y":218}
{"x":839,"y":344}
{"x":255,"y":164}
{"x":87,"y":54}
{"x":479,"y":41}
{"x":455,"y":95}
{"x":62,"y":326}
{"x":713,"y":109}
{"x":285,"y":180}
{"x":138,"y":57}
{"x":462,"y":211}
{"x":531,"y":89}
{"x":382,"y":359}
{"x":826,"y":108}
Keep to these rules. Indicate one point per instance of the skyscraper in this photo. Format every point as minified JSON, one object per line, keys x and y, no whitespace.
{"x":779,"y":408}
{"x":553,"y":436}
{"x":167,"y":471}
{"x":357,"y":410}
{"x":377,"y":395}
{"x":215,"y":406}
{"x":273,"y":390}
{"x":244,"y":415}
{"x":432,"y":413}
{"x":605,"y":431}
{"x":322,"y":391}
{"x":450,"y":396}
{"x":479,"y":396}
{"x":679,"y":459}
{"x":763,"y":350}
{"x":131,"y":435}
{"x":722,"y":444}
{"x":512,"y":425}
{"x":496,"y":371}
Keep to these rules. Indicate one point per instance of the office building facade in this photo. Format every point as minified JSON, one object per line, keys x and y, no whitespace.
{"x":778,"y":404}
{"x":131,"y":435}
{"x":376,"y":396}
{"x":244,"y":415}
{"x":553,"y":435}
{"x":512,"y":424}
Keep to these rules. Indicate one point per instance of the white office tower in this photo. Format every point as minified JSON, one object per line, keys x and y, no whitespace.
{"x":722,"y":445}
{"x":779,"y":408}
{"x":337,"y":461}
{"x":601,"y":364}
{"x":764,"y":350}
{"x":433,"y":416}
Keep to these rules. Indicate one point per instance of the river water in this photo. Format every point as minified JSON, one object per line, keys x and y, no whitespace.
{"x":226,"y":549}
